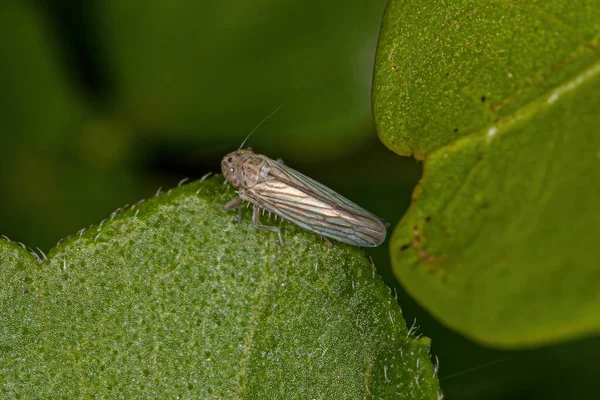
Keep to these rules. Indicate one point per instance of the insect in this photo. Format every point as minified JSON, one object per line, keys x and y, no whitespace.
{"x":273,"y":186}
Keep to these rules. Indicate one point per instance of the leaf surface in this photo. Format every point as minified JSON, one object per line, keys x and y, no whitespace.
{"x":174,"y":298}
{"x":501,"y":101}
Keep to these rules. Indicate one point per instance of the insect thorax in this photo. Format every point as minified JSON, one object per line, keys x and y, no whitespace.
{"x":254,"y":169}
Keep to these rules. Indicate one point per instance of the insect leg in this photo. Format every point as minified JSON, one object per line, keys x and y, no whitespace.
{"x":329,"y":244}
{"x":233,"y":204}
{"x":255,"y":215}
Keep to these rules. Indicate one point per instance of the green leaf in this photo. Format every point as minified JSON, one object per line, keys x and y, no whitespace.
{"x":174,"y":298}
{"x":501,"y":100}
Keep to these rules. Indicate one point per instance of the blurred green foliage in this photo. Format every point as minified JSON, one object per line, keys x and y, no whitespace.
{"x":103,"y":102}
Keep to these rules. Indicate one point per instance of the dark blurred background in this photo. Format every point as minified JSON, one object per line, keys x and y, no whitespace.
{"x":102,"y":102}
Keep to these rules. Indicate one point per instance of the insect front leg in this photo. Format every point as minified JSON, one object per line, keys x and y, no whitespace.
{"x":233,"y":204}
{"x":255,"y":224}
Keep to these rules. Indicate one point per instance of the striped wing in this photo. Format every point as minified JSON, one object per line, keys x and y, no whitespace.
{"x":313,"y":206}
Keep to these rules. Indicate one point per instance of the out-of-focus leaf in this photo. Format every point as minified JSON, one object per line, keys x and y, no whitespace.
{"x":61,"y":164}
{"x":500,"y":241}
{"x":181,"y":69}
{"x":174,"y":298}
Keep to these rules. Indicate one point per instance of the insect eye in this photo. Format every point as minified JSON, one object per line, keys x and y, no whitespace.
{"x":229,"y":159}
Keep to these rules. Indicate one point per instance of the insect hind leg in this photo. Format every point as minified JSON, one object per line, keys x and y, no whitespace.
{"x":255,"y":215}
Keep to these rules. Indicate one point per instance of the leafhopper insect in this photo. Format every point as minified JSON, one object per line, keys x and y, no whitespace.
{"x":273,"y":186}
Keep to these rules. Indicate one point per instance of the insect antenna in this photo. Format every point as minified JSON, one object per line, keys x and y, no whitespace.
{"x":258,"y":126}
{"x":466,"y":371}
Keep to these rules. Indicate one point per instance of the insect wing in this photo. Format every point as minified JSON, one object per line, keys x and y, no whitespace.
{"x":315,"y":207}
